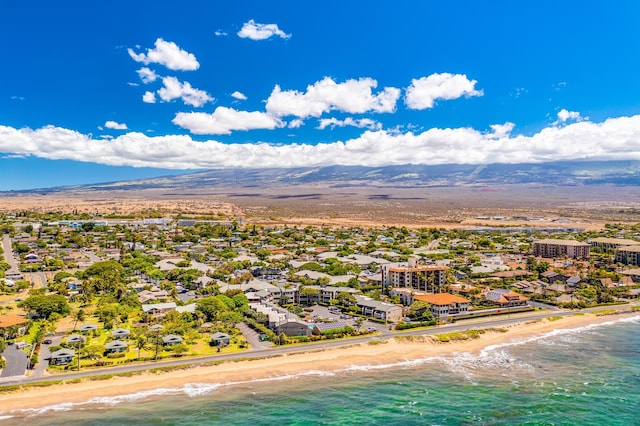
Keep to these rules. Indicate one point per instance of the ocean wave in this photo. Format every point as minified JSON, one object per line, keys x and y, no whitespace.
{"x":491,"y":357}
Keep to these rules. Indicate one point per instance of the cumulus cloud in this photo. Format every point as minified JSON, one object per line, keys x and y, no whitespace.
{"x":295,"y":123}
{"x":147,"y":75}
{"x":238,"y":95}
{"x":423,"y":92}
{"x":363,"y":123}
{"x":225,"y":120}
{"x":564,"y":115}
{"x":255,"y":31}
{"x":613,"y":139}
{"x":149,"y":97}
{"x":115,"y":125}
{"x":174,"y":89}
{"x":167,"y":53}
{"x":502,"y":130}
{"x":352,"y":96}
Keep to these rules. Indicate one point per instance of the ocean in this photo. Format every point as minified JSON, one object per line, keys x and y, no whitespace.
{"x":584,"y":376}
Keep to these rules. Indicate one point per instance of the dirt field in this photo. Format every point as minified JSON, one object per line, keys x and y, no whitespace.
{"x":588,"y":207}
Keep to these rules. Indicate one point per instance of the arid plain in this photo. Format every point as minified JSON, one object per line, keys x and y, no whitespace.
{"x":314,"y":204}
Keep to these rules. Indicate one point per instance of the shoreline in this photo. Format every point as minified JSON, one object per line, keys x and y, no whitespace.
{"x":386,"y":354}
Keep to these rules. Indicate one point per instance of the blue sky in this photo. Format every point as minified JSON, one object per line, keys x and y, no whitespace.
{"x":104,"y":91}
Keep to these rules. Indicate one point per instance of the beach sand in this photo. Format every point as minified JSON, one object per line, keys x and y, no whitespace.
{"x":336,"y":359}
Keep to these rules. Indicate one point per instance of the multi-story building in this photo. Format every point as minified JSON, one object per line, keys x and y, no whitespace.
{"x":551,"y":248}
{"x":629,"y":255}
{"x":423,"y":278}
{"x":612,"y":243}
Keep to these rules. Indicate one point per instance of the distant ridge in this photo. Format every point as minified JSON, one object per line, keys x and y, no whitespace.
{"x":555,"y":174}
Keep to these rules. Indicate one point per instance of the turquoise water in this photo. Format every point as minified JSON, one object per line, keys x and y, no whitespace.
{"x":586,"y":376}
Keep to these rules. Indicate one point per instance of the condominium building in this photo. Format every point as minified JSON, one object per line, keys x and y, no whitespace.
{"x":422,"y":278}
{"x":629,"y":255}
{"x":612,"y":243}
{"x":552,"y":248}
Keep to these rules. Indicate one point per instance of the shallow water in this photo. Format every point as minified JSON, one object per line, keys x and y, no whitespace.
{"x":584,"y":376}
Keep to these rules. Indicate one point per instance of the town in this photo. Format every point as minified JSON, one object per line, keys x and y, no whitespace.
{"x":79,"y":292}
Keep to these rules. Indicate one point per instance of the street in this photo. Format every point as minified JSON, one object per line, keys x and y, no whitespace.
{"x":385,"y":333}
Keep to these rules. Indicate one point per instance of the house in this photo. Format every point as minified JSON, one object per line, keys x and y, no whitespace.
{"x":158,"y":310}
{"x":62,"y":356}
{"x":553,"y":276}
{"x":293,"y":327}
{"x":75,"y":339}
{"x":506,"y":298}
{"x":444,"y":304}
{"x":88,"y":327}
{"x":171,"y":339}
{"x":12,"y":325}
{"x":116,"y":346}
{"x":220,"y":339}
{"x":120,"y":333}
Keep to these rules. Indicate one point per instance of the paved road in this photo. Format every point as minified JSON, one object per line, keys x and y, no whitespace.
{"x":16,"y":362}
{"x":8,"y":252}
{"x":447,"y":328}
{"x":43,"y":279}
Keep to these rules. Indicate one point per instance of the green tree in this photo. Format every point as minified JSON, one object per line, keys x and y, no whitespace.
{"x":46,"y":305}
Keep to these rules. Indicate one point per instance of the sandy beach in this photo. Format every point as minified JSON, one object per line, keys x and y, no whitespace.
{"x":387,"y":353}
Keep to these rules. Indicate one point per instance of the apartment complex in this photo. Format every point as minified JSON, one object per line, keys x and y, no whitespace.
{"x":423,"y":278}
{"x":629,"y":255}
{"x":551,"y":248}
{"x":612,"y":243}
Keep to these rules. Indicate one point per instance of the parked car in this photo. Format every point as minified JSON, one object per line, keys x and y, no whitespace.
{"x":47,"y":341}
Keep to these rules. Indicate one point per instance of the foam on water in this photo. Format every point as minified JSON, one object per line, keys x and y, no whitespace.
{"x":491,"y":357}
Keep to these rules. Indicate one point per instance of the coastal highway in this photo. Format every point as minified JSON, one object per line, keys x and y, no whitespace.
{"x":502,"y":321}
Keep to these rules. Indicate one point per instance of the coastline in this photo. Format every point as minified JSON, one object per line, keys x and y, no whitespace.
{"x":394,"y":352}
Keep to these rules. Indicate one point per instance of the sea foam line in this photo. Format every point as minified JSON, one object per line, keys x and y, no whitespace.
{"x":492,"y":355}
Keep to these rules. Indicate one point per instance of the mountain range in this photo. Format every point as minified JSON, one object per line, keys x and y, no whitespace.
{"x":621,"y":173}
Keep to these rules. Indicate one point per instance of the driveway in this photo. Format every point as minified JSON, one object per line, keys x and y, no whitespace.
{"x":16,"y":362}
{"x":253,"y":337}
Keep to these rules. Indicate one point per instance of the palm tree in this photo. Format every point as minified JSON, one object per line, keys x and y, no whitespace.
{"x":78,"y":316}
{"x":140,"y":342}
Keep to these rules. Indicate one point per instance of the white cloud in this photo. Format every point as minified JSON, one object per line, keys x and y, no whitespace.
{"x":363,"y":123}
{"x":225,"y":120}
{"x":167,"y":53}
{"x":255,"y":31}
{"x":564,"y":115}
{"x":149,"y":97}
{"x":17,"y":98}
{"x":147,"y":75}
{"x":423,"y":92}
{"x":115,"y":125}
{"x":613,"y":139}
{"x":174,"y":89}
{"x":220,"y":33}
{"x":501,"y":130}
{"x":295,"y":123}
{"x":352,"y":96}
{"x":238,"y":95}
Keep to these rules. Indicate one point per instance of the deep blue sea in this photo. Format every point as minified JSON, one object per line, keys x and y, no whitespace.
{"x":585,"y":376}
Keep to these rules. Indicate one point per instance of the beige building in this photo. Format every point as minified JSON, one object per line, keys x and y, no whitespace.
{"x":421,"y":278}
{"x":629,"y":255}
{"x":551,"y":248}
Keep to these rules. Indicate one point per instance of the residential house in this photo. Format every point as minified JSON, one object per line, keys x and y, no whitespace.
{"x":62,"y":356}
{"x":116,"y":346}
{"x":12,"y":325}
{"x":506,"y":298}
{"x":171,"y":339}
{"x":120,"y":333}
{"x":443,"y":305}
{"x":220,"y":339}
{"x":158,"y":310}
